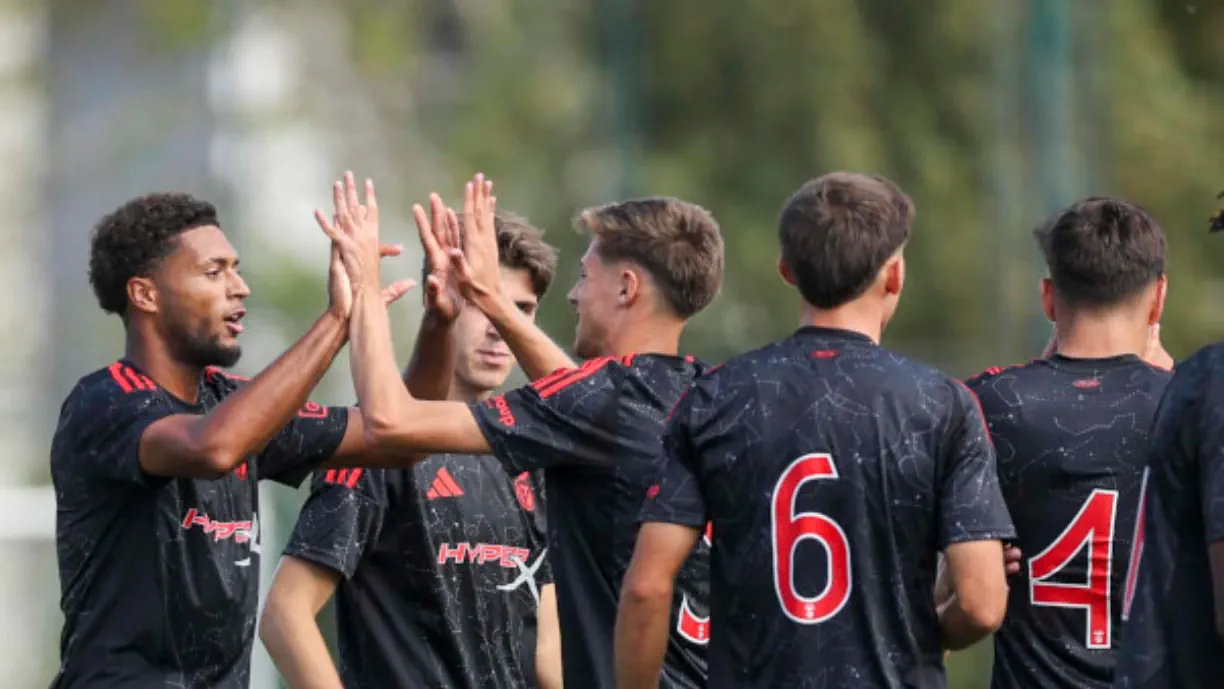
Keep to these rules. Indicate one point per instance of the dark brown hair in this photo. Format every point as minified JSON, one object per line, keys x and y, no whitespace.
{"x":837,"y":231}
{"x":1101,"y":251}
{"x":678,"y":244}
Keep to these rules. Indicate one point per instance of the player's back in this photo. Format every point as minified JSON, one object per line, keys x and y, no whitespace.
{"x":1071,"y":438}
{"x":597,"y":431}
{"x":1170,"y":637}
{"x":833,"y":472}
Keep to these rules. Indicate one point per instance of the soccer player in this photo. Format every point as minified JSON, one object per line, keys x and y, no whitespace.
{"x":1071,"y":433}
{"x":438,"y":569}
{"x":156,"y":457}
{"x":833,"y":471}
{"x":1173,"y":635}
{"x":651,"y":264}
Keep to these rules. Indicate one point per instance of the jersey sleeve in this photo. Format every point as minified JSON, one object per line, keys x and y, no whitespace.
{"x":971,"y":506}
{"x":569,"y":418}
{"x":675,"y":496}
{"x":343,"y":514}
{"x":101,"y":424}
{"x":308,"y":440}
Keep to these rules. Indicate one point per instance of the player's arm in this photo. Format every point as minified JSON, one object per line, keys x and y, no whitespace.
{"x":477,"y":269}
{"x":289,"y":628}
{"x":673,"y":516}
{"x":548,"y":640}
{"x":340,"y":517}
{"x":213,"y":444}
{"x":429,"y":371}
{"x":642,"y":622}
{"x":974,"y":522}
{"x":1201,"y":432}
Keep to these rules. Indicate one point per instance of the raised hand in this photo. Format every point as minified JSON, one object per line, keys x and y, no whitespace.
{"x":1154,"y":353}
{"x":476,"y":264}
{"x":443,"y":296}
{"x":356,"y":250}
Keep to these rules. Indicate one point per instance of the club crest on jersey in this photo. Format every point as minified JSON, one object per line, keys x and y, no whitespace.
{"x":523,"y":492}
{"x":312,"y":410}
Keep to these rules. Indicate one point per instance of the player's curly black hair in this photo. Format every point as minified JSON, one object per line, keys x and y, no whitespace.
{"x":1217,"y":222}
{"x":131,"y":240}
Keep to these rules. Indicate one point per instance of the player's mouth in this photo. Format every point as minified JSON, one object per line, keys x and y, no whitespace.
{"x":232,"y":321}
{"x":492,"y":357}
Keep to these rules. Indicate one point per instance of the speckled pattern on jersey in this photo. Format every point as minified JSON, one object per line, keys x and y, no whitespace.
{"x":596,"y":432}
{"x":1071,"y":438}
{"x":833,"y":471}
{"x":442,"y":565}
{"x":1169,"y":638}
{"x":159,"y":577}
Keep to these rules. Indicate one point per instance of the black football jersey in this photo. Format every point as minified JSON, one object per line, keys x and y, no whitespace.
{"x":442,"y":566}
{"x":596,"y":432}
{"x":1169,"y":636}
{"x":1071,"y":438}
{"x":833,"y":473}
{"x":159,"y":577}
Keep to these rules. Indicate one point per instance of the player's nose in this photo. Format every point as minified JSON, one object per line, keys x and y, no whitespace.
{"x":239,"y":288}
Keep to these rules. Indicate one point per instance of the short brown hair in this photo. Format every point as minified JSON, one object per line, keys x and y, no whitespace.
{"x":678,"y":244}
{"x":520,"y":246}
{"x":1102,"y":251}
{"x":837,"y":231}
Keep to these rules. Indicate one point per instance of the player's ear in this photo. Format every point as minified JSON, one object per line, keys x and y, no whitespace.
{"x":894,"y":275}
{"x":1046,"y":287}
{"x":788,"y":275}
{"x":1162,"y":291}
{"x":142,"y":294}
{"x":630,"y":286}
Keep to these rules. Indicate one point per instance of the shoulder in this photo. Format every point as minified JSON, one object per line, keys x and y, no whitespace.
{"x":107,"y":393}
{"x":997,"y":373}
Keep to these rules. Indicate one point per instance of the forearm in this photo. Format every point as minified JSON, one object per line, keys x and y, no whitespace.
{"x":535,"y":351}
{"x":248,"y":419}
{"x":641,"y":638}
{"x":296,"y":645}
{"x":548,"y":640}
{"x":380,"y":393}
{"x":429,"y":372}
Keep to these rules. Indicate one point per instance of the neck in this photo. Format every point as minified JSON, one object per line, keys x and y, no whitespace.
{"x":1100,"y":335}
{"x":647,"y":336}
{"x":155,"y":361}
{"x":462,"y":392}
{"x":857,"y":316}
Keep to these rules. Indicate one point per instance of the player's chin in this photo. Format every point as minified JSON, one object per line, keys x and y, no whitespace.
{"x":489,"y":378}
{"x":227,"y":354}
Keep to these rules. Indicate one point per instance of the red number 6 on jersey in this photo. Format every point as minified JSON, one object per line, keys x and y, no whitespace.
{"x":789,"y":529}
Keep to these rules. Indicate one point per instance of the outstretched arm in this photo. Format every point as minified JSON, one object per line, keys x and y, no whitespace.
{"x":392,"y":419}
{"x":477,"y":268}
{"x":214,"y":444}
{"x":432,"y":366}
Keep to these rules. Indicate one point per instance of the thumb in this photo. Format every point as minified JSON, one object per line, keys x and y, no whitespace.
{"x":397,"y":289}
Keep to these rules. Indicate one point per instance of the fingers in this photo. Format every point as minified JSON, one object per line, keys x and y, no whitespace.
{"x":387,"y":250}
{"x":429,"y":236}
{"x":455,"y":238}
{"x":1012,"y":558}
{"x":460,"y":265}
{"x":328,"y":229}
{"x":339,"y":202}
{"x":396,"y":290}
{"x":371,"y":201}
{"x":350,"y":194}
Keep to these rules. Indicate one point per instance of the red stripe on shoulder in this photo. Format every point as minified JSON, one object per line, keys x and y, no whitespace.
{"x":116,"y":371}
{"x":564,"y":378}
{"x":128,"y":379}
{"x":996,"y":370}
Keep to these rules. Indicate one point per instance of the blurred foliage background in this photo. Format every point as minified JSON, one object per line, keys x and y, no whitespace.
{"x":989,"y":113}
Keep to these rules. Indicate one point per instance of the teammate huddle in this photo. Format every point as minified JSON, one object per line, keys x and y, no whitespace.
{"x":817,"y":512}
